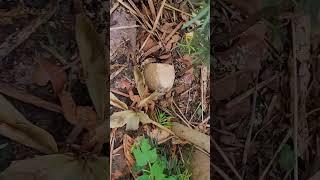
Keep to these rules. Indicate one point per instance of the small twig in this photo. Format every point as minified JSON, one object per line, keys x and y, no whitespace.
{"x":120,"y":93}
{"x":112,"y":139}
{"x":113,"y":75}
{"x":74,"y":134}
{"x":243,"y":96}
{"x":183,"y":120}
{"x":312,"y":111}
{"x":287,"y":174}
{"x":54,"y":53}
{"x":194,"y":113}
{"x":249,"y":135}
{"x":284,"y":141}
{"x":168,"y":6}
{"x":221,"y":172}
{"x":184,"y":117}
{"x":123,"y":27}
{"x":225,"y":158}
{"x":117,"y":149}
{"x":173,"y":32}
{"x":15,"y":39}
{"x":114,"y":7}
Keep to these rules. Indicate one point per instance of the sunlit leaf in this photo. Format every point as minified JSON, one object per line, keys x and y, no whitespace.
{"x":92,"y":55}
{"x":57,"y":167}
{"x":16,"y":127}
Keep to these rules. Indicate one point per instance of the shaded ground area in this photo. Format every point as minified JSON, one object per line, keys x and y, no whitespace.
{"x":265,"y":90}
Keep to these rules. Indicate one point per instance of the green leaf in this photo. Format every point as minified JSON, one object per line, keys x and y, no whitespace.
{"x":15,"y":126}
{"x":200,"y":15}
{"x":157,"y":171}
{"x":141,"y":158}
{"x":151,"y":155}
{"x":144,"y":177}
{"x":286,"y":159}
{"x":145,"y":146}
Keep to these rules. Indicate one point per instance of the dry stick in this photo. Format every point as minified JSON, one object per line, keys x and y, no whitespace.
{"x":152,"y":9}
{"x":54,"y":53}
{"x":10,"y":91}
{"x":173,"y":32}
{"x":243,"y":96}
{"x":312,"y":111}
{"x":139,"y":13}
{"x":115,"y":6}
{"x":287,"y":174}
{"x":184,"y":117}
{"x":74,"y":134}
{"x":284,"y":141}
{"x":154,"y":24}
{"x":167,"y":6}
{"x":249,"y":135}
{"x":295,"y":101}
{"x":112,"y":139}
{"x":221,"y":172}
{"x":183,"y":120}
{"x":225,"y":158}
{"x":15,"y":39}
{"x":124,"y":27}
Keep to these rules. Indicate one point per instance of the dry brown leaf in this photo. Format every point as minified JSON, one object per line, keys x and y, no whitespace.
{"x":48,"y":71}
{"x":188,"y":77}
{"x":69,"y":107}
{"x":127,"y":145}
{"x":191,"y":135}
{"x":186,"y":59}
{"x":57,"y":166}
{"x":158,"y":134}
{"x":87,"y":117}
{"x":165,"y":56}
{"x":154,"y":96}
{"x":128,"y":118}
{"x":167,"y":27}
{"x":140,"y":81}
{"x":149,"y":44}
{"x":15,"y":126}
{"x":92,"y":56}
{"x":152,"y":50}
{"x":200,"y":164}
{"x":116,"y":102}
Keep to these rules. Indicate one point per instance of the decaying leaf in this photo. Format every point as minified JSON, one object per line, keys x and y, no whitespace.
{"x":57,"y":166}
{"x":127,"y":145}
{"x":191,"y":135}
{"x":152,"y":97}
{"x":48,"y":71}
{"x":140,"y":81}
{"x":132,"y":119}
{"x":129,"y":118}
{"x":92,"y":55}
{"x":77,"y":115}
{"x":158,"y":134}
{"x":14,"y":126}
{"x":200,"y":166}
{"x":116,"y":102}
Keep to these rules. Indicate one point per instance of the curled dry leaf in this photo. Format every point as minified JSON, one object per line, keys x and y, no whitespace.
{"x":152,"y":50}
{"x":116,"y":102}
{"x":165,"y":56}
{"x":14,"y":126}
{"x":149,"y":44}
{"x":92,"y":55}
{"x":188,"y":77}
{"x":191,"y":135}
{"x":140,"y":81}
{"x":48,"y":71}
{"x":57,"y":166}
{"x":154,"y":96}
{"x":77,"y":115}
{"x":127,"y":145}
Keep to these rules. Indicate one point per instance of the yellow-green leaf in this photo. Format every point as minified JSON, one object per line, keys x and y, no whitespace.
{"x":16,"y":127}
{"x":116,"y":102}
{"x":92,"y":55}
{"x":57,"y":167}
